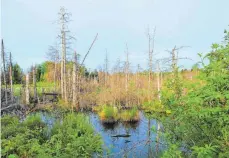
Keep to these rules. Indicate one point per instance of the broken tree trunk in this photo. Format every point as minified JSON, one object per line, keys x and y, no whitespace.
{"x":11,"y":79}
{"x":34,"y":83}
{"x":74,"y":88}
{"x":127,"y":74}
{"x":27,"y":89}
{"x":158,"y":81}
{"x":4,"y":72}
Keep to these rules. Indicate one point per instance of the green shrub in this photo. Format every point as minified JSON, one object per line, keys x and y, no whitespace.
{"x":71,"y":137}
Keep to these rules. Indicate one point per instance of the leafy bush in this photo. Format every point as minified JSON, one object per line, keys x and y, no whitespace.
{"x":71,"y":137}
{"x":199,"y":121}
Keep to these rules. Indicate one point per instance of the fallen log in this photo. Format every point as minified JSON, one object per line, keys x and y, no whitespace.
{"x":121,"y":135}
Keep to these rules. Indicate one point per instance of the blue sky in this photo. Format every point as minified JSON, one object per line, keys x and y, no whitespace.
{"x":28,"y":28}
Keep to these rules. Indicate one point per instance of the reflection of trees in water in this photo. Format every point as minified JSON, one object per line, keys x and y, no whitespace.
{"x":110,"y":126}
{"x":131,"y":125}
{"x":141,"y":143}
{"x":149,"y":138}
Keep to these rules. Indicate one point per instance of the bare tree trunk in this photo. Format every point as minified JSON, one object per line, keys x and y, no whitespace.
{"x":34,"y":83}
{"x":55,"y":75}
{"x":4,"y":71}
{"x":63,"y":58}
{"x":68,"y":86}
{"x":79,"y":88}
{"x":137,"y":82}
{"x":151,"y":51}
{"x":106,"y":69}
{"x":161,"y":78}
{"x":158,"y":81}
{"x":27,"y":89}
{"x":74,"y":88}
{"x":127,"y":73}
{"x":65,"y":81}
{"x":11,"y":79}
{"x":158,"y":137}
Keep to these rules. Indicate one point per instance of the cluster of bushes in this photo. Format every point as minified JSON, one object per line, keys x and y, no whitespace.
{"x":198,"y":125}
{"x":73,"y":136}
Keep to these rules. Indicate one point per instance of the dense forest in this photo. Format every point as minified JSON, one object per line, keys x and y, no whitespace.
{"x":186,"y":111}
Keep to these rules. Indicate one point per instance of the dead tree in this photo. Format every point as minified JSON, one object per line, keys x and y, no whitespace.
{"x":137,"y":81}
{"x":151,"y":39}
{"x":11,"y":79}
{"x":69,"y":85}
{"x":74,"y":80}
{"x":127,"y":73}
{"x":158,"y":81}
{"x":176,"y":82}
{"x":4,"y":71}
{"x":53,"y":55}
{"x":106,"y":69}
{"x":34,"y":83}
{"x":89,"y":49}
{"x":64,"y":19}
{"x":27,"y":89}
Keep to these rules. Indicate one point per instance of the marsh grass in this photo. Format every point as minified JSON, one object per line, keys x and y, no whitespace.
{"x":111,"y":114}
{"x":131,"y":115}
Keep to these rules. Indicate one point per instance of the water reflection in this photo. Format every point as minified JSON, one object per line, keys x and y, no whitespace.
{"x":134,"y":139}
{"x":141,"y":141}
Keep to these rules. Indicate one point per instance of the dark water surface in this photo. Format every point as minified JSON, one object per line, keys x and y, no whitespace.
{"x":138,"y":139}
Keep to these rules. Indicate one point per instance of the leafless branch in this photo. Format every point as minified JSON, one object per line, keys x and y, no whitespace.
{"x":89,"y":49}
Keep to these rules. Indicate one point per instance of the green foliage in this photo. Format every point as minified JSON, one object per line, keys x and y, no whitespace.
{"x":153,"y":106}
{"x":172,"y":152}
{"x":109,"y":113}
{"x":17,"y":74}
{"x":72,"y":137}
{"x":199,"y":119}
{"x":129,"y":115}
{"x":207,"y":151}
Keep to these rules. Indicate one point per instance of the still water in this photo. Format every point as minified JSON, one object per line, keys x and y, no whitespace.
{"x":124,"y":139}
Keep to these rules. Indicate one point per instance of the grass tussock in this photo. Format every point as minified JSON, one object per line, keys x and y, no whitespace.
{"x":131,"y":115}
{"x":111,"y":114}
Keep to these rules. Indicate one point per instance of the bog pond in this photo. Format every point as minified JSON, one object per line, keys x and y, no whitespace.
{"x":135,"y":139}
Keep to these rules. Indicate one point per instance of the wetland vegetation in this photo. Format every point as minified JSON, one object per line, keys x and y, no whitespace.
{"x":73,"y":112}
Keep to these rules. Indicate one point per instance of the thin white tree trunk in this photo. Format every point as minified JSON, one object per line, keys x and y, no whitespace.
{"x":74,"y":88}
{"x":158,"y":81}
{"x":34,"y":83}
{"x":27,"y":89}
{"x":11,"y":79}
{"x":4,"y":72}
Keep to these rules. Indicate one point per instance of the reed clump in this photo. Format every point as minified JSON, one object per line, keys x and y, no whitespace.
{"x":131,"y":115}
{"x":111,"y":114}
